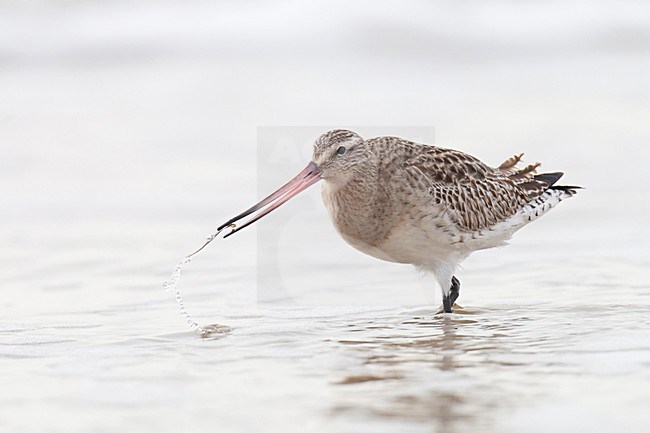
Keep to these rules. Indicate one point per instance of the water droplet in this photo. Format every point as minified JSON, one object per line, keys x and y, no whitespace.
{"x":172,"y":286}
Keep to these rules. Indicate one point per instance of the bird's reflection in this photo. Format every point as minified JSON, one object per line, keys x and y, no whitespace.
{"x":418,"y":370}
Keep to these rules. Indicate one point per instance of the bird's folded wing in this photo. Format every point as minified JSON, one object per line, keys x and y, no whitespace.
{"x":475,"y":195}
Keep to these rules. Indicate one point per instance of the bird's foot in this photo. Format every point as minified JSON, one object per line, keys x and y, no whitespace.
{"x":455,"y":309}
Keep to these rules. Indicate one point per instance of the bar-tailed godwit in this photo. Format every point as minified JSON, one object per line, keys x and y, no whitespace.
{"x":405,"y":202}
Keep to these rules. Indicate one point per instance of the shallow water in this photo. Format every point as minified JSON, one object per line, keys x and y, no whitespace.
{"x":98,"y":345}
{"x":129,"y":132}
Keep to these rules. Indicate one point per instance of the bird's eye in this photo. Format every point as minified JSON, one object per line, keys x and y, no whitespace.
{"x":341,"y":150}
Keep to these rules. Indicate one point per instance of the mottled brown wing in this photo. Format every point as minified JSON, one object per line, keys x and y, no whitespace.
{"x":475,"y":195}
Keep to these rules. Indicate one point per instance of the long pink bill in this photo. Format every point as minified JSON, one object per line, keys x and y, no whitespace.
{"x":306,"y":178}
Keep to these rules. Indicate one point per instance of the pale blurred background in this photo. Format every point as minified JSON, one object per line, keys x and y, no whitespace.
{"x":130,"y":129}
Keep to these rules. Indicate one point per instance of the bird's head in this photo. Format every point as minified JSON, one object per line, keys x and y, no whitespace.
{"x":336,"y":154}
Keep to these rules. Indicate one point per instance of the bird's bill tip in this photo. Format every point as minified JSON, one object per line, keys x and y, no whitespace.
{"x":303,"y":180}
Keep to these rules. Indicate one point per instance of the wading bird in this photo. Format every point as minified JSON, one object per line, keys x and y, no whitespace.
{"x":405,"y":202}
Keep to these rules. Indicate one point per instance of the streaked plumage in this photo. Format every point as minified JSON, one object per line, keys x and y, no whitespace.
{"x":429,"y":206}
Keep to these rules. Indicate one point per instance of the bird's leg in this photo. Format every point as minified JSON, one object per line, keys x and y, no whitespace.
{"x":449,"y":299}
{"x":454,"y":292}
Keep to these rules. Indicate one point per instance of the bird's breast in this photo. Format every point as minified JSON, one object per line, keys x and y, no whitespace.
{"x":356,"y":213}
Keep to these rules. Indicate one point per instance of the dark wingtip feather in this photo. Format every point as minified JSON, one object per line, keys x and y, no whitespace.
{"x":549,"y":178}
{"x":571,"y":188}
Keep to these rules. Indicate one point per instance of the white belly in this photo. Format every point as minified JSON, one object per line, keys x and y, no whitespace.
{"x":414,"y":245}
